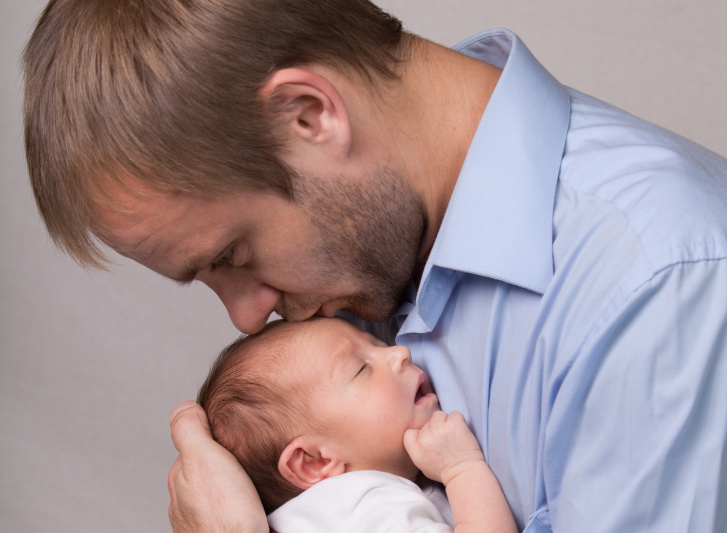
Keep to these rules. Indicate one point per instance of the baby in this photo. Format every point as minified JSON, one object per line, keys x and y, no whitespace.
{"x":333,"y":426}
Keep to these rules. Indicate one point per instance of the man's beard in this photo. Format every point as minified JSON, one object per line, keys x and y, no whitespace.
{"x":370,"y":232}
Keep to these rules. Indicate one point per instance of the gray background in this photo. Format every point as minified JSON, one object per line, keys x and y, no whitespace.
{"x":90,"y":364}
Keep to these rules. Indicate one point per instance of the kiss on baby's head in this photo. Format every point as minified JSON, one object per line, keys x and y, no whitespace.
{"x":300,"y":402}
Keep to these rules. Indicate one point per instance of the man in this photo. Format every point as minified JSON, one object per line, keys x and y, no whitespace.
{"x":557,"y":266}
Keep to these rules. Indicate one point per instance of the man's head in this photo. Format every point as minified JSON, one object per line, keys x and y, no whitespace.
{"x":301,"y":402}
{"x":154,"y":114}
{"x":168,"y":91}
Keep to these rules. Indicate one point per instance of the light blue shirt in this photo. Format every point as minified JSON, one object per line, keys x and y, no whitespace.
{"x":574,"y":308}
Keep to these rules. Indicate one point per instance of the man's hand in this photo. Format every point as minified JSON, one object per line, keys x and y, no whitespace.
{"x":209,"y":490}
{"x":444,"y":447}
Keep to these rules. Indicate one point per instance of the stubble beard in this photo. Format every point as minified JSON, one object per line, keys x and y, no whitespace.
{"x":369,"y":234}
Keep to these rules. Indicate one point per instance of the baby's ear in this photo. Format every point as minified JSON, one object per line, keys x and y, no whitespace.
{"x":304,"y":462}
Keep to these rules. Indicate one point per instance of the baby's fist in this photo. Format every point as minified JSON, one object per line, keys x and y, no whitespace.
{"x":443,"y":447}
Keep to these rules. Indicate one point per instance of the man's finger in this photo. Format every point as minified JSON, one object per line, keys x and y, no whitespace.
{"x":171,"y":478}
{"x":186,"y":404}
{"x":189,"y":427}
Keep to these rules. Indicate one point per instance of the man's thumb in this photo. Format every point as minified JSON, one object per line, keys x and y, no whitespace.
{"x":189,"y":426}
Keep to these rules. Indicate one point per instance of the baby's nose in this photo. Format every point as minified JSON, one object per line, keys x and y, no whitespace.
{"x":400,"y":357}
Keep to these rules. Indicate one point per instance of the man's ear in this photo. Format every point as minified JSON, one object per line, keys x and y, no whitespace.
{"x":308,"y":107}
{"x":304,"y":462}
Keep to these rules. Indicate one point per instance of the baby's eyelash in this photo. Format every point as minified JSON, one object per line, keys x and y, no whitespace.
{"x":363,"y":367}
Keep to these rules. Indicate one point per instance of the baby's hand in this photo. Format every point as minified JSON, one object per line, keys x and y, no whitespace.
{"x":444,"y":447}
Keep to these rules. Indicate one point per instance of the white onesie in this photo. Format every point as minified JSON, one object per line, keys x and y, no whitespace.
{"x":367,"y":502}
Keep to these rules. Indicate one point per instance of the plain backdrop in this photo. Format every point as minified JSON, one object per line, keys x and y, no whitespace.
{"x":90,"y":364}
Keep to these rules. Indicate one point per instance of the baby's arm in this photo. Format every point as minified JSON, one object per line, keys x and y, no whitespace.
{"x":445,"y":450}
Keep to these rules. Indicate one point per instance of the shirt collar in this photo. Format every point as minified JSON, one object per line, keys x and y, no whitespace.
{"x":499,"y":220}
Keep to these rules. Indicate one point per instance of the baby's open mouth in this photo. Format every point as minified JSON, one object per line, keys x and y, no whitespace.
{"x":424,"y":389}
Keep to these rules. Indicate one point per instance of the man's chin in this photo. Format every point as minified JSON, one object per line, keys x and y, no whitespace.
{"x":371,"y":313}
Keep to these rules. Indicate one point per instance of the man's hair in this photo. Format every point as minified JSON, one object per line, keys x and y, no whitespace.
{"x":255,"y":406}
{"x":168,"y":91}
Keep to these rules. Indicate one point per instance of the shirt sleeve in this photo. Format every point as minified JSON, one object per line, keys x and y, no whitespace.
{"x":637,"y":438}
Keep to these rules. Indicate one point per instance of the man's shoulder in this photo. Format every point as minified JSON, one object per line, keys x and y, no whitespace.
{"x":633,"y":203}
{"x":609,"y":150}
{"x":668,"y":192}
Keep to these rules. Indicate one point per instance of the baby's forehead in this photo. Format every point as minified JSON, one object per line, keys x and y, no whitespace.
{"x":288,"y":345}
{"x":317,"y":344}
{"x":305,"y":346}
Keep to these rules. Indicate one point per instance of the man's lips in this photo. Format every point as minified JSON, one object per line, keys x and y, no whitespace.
{"x":327,"y":310}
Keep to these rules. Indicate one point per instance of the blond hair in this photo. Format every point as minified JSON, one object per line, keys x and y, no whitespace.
{"x":168,"y":91}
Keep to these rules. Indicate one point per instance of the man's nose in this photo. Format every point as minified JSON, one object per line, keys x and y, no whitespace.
{"x":248,"y":302}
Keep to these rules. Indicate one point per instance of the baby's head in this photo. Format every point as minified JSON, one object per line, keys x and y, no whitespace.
{"x":300,"y":402}
{"x":254,"y":406}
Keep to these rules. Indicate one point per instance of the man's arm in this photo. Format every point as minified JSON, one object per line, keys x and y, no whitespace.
{"x":646,"y":448}
{"x":209,"y":490}
{"x":446,"y":450}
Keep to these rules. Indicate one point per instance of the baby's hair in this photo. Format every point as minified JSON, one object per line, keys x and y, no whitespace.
{"x":254,"y":407}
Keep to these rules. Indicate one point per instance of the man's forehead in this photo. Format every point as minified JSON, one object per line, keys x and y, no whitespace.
{"x":128,"y":205}
{"x":120,"y":198}
{"x":123,"y":215}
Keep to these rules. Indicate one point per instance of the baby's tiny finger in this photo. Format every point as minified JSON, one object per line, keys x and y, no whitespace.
{"x":411,"y":436}
{"x":438,"y":418}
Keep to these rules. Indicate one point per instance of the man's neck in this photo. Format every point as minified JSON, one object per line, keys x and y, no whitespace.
{"x":421,"y":124}
{"x":440,"y":100}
